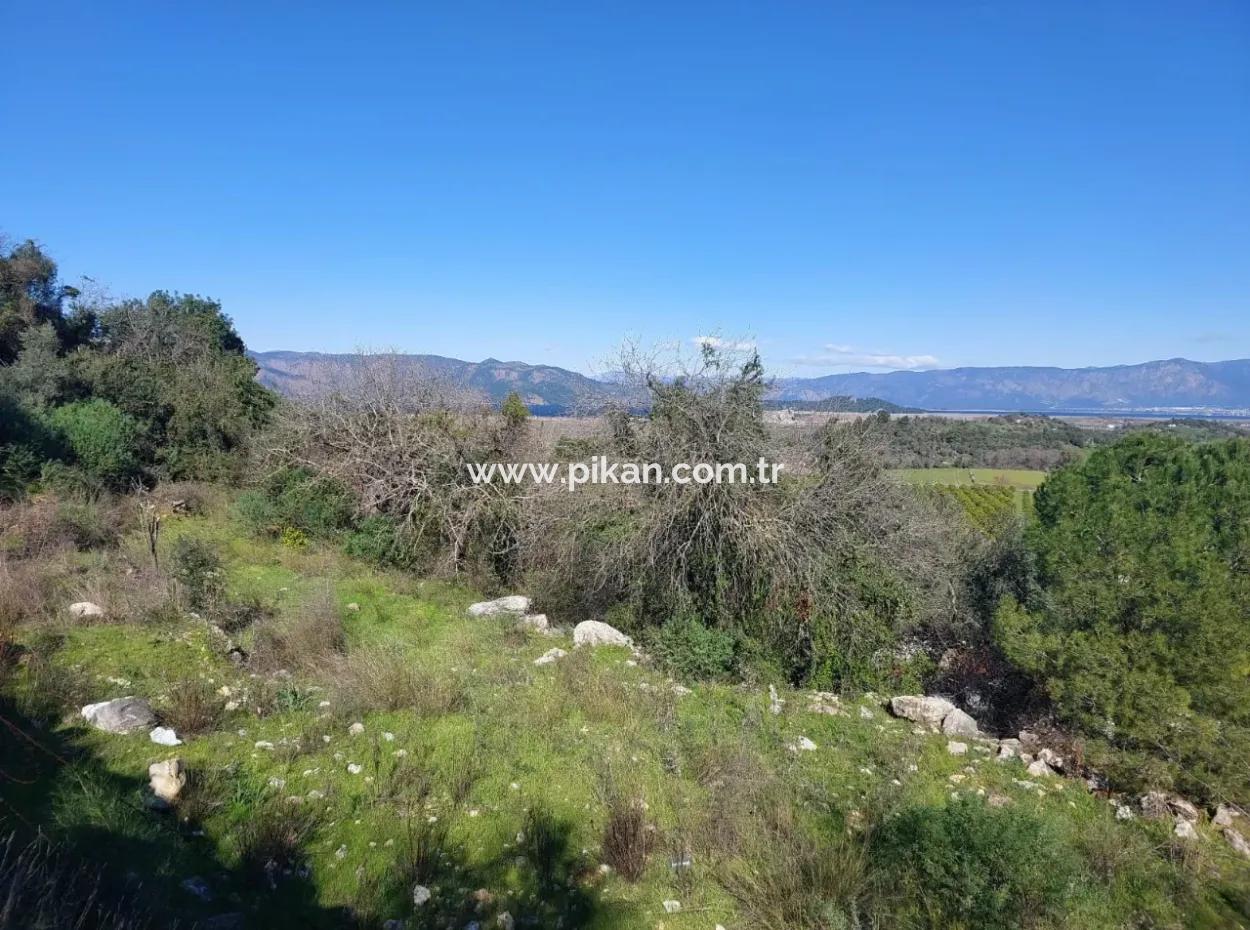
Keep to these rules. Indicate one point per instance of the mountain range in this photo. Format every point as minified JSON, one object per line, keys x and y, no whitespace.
{"x":1171,"y":385}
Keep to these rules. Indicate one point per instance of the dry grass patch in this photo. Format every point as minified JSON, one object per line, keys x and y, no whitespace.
{"x":390,"y":678}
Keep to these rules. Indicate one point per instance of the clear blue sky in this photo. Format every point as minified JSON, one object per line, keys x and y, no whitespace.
{"x":849,"y":183}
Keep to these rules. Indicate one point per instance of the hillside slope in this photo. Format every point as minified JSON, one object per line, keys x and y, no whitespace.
{"x":418,"y":765}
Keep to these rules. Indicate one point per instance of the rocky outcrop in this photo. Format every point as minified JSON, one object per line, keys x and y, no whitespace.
{"x":120,"y":715}
{"x":512,"y":604}
{"x":937,"y":713}
{"x":598,"y":633}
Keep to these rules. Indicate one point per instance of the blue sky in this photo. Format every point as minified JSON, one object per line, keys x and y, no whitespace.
{"x":852,"y":185}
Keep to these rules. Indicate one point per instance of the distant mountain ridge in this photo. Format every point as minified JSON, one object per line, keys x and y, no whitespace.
{"x":1168,"y":385}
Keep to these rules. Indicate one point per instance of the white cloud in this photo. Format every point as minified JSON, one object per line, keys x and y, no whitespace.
{"x":716,"y":342}
{"x":844,"y":356}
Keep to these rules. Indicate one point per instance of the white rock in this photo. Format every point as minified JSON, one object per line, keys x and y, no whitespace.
{"x":167,"y":779}
{"x":353,"y":607}
{"x":121,"y":715}
{"x":512,"y":604}
{"x":356,"y":729}
{"x":85,"y":609}
{"x":1037,"y":768}
{"x":958,"y":723}
{"x":1123,"y":812}
{"x":1237,"y":841}
{"x":956,"y":748}
{"x":671,"y":907}
{"x":420,"y":894}
{"x":550,"y":656}
{"x":775,"y":703}
{"x":1225,"y":816}
{"x":802,"y":744}
{"x":930,"y":711}
{"x":1008,"y":749}
{"x":1051,"y":758}
{"x":164,"y":736}
{"x":354,"y":769}
{"x":536,"y":622}
{"x":1184,"y":829}
{"x":598,"y":633}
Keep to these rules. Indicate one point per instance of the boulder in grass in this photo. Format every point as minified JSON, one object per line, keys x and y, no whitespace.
{"x":512,"y":604}
{"x":930,"y":711}
{"x":120,"y":715}
{"x":167,"y":779}
{"x":958,"y":723}
{"x":598,"y":633}
{"x":83,"y":609}
{"x":536,"y":622}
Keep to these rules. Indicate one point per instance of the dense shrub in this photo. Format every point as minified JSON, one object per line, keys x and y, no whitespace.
{"x":691,"y":650}
{"x":296,"y":498}
{"x":104,"y":441}
{"x":969,"y":865}
{"x":1136,"y":627}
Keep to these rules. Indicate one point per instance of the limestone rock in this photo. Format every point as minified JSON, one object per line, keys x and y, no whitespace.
{"x":83,"y":609}
{"x":930,"y":711}
{"x":598,"y":633}
{"x":167,"y":779}
{"x":512,"y":604}
{"x":550,"y":656}
{"x":120,"y":715}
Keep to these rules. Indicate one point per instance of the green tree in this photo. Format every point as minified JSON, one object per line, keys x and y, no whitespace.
{"x":514,"y":411}
{"x":1138,"y":631}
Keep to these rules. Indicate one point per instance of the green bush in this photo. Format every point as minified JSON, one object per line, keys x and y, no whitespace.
{"x":103,"y":440}
{"x":690,"y":650}
{"x":969,"y":865}
{"x":198,"y":569}
{"x":1137,"y":632}
{"x":382,"y":541}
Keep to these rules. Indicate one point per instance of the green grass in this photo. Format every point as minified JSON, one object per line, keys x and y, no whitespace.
{"x":521,"y":747}
{"x":993,"y":477}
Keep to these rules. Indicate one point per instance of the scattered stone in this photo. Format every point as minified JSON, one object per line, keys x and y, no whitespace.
{"x":865,"y":713}
{"x":775,"y":703}
{"x":824,"y":702}
{"x":1051,"y":758}
{"x":930,"y":711}
{"x":388,"y":736}
{"x":1183,"y":808}
{"x":998,"y":800}
{"x":956,"y":748}
{"x":263,"y":744}
{"x":512,"y":604}
{"x":671,"y":907}
{"x":420,"y":894}
{"x":802,"y":744}
{"x":1123,"y":812}
{"x":356,"y":729}
{"x":164,"y":736}
{"x":341,"y":852}
{"x":1225,"y":816}
{"x":598,"y":633}
{"x":1039,"y":769}
{"x":1237,"y":841}
{"x":83,"y":609}
{"x":1185,"y":829}
{"x":353,"y":607}
{"x":121,"y":715}
{"x":550,"y":656}
{"x":167,"y":779}
{"x":536,"y":622}
{"x":354,"y":769}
